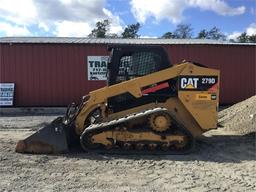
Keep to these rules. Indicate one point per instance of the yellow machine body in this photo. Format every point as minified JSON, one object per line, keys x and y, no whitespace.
{"x":197,"y":110}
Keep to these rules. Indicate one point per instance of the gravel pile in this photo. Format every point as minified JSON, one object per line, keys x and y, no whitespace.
{"x":240,"y":118}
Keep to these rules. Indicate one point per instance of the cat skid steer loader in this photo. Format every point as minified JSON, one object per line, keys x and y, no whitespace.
{"x":148,"y":106}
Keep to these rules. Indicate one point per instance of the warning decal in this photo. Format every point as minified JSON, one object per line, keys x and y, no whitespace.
{"x":203,"y":97}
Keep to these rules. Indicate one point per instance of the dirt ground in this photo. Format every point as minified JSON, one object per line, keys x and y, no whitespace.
{"x":223,"y":160}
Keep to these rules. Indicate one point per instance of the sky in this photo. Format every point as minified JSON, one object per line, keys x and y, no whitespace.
{"x":77,"y":18}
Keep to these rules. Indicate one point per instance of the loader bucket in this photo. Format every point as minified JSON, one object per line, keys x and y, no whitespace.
{"x":50,"y":139}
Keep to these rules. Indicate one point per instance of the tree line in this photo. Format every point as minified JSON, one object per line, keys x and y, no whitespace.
{"x":182,"y":31}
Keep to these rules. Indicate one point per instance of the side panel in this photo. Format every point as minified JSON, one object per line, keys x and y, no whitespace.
{"x":199,"y":93}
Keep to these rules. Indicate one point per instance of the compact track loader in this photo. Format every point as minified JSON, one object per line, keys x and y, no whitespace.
{"x":148,"y":106}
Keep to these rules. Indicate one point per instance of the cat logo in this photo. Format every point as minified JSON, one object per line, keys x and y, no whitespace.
{"x":189,"y":82}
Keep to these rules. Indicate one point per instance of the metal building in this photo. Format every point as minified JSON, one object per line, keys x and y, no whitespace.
{"x":54,"y":71}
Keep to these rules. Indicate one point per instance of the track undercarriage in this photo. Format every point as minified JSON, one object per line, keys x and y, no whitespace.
{"x":153,"y":131}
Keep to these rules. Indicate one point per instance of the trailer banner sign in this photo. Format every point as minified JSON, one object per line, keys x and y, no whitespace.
{"x":6,"y":94}
{"x":97,"y":67}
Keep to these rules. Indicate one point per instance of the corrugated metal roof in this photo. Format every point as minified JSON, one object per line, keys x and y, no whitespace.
{"x":148,"y":41}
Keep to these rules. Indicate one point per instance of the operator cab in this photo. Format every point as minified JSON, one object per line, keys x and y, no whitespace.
{"x":128,"y":62}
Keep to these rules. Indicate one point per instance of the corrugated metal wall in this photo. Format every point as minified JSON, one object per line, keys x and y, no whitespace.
{"x":56,"y":74}
{"x":48,"y":74}
{"x":236,"y":63}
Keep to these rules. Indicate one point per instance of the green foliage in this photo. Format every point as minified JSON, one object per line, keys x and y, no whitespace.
{"x":243,"y":38}
{"x":203,"y":34}
{"x":168,"y":35}
{"x":183,"y":31}
{"x":131,"y":31}
{"x":216,"y":34}
{"x":101,"y":29}
{"x":252,"y":38}
{"x":213,"y":33}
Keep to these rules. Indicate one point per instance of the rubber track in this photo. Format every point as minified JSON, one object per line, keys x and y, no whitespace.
{"x":106,"y":126}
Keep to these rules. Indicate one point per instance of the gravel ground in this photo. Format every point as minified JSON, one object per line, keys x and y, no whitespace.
{"x":222,"y":161}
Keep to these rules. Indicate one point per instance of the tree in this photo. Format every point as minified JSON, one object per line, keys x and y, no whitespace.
{"x":183,"y":31}
{"x":131,"y":31}
{"x":168,"y":35}
{"x":203,"y":34}
{"x":213,"y":33}
{"x":101,"y":29}
{"x":243,"y":38}
{"x":232,"y":40}
{"x":216,"y":34}
{"x":252,"y":38}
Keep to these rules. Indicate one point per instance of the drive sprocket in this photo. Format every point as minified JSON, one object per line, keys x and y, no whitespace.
{"x":160,"y":122}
